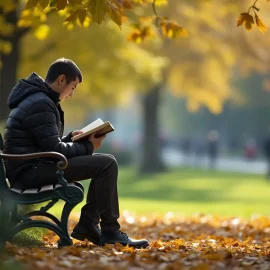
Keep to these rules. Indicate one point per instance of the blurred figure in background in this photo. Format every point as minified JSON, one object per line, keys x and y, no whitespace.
{"x":199,"y":151}
{"x":186,"y":148}
{"x":212,"y":147}
{"x":250,"y":150}
{"x":267,"y":152}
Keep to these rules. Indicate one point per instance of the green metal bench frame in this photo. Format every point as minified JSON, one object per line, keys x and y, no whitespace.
{"x":11,"y":222}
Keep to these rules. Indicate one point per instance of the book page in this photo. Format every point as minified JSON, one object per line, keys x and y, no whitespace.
{"x":93,"y":125}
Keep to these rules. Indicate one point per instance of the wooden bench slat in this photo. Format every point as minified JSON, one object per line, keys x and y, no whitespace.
{"x":46,"y":188}
{"x":30,"y":191}
{"x":17,"y":190}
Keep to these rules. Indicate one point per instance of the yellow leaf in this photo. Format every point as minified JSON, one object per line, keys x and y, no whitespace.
{"x":31,"y":4}
{"x":9,"y":6}
{"x":86,"y":22}
{"x":115,"y":14}
{"x":44,"y":3}
{"x":43,"y":17}
{"x":75,"y":2}
{"x":135,"y":36}
{"x":81,"y":15}
{"x":24,"y":23}
{"x":72,"y":17}
{"x":127,"y":4}
{"x":246,"y":19}
{"x":260,"y":24}
{"x":160,"y":2}
{"x":70,"y":26}
{"x":61,"y":4}
{"x":193,"y":105}
{"x":147,"y":19}
{"x":42,"y":32}
{"x":172,"y":29}
{"x":7,"y":47}
{"x":98,"y":9}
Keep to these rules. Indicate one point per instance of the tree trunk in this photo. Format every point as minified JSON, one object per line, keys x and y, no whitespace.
{"x":151,"y":161}
{"x":8,"y":73}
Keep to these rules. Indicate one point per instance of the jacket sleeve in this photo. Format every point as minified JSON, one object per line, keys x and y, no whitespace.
{"x":41,"y":122}
{"x":67,"y":138}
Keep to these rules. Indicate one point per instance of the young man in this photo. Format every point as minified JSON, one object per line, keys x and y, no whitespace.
{"x":36,"y":124}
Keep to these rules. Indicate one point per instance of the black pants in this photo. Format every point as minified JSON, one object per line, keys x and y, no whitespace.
{"x":102,"y":198}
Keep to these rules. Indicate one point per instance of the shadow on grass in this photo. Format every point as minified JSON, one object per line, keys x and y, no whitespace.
{"x":186,"y":185}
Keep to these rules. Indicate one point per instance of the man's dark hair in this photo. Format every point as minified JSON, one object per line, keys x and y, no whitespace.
{"x":66,"y":67}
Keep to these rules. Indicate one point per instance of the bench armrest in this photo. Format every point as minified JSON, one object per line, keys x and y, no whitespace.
{"x":61,"y":165}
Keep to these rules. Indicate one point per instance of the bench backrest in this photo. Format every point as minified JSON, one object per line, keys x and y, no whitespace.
{"x":3,"y":181}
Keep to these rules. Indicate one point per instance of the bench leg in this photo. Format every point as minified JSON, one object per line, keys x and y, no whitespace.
{"x":65,"y":240}
{"x":7,"y":212}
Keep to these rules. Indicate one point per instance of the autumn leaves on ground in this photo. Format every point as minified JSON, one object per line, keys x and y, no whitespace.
{"x":199,"y":242}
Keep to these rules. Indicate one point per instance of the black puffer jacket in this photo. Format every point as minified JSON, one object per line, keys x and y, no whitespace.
{"x":36,"y":124}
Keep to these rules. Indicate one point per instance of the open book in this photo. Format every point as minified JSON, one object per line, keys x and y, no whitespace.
{"x":101,"y":128}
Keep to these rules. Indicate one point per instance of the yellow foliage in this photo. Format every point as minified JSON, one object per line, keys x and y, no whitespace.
{"x":72,"y":16}
{"x":86,"y":22}
{"x":42,"y":32}
{"x":31,"y":4}
{"x":247,"y":20}
{"x":98,"y":9}
{"x":6,"y":29}
{"x":82,"y":15}
{"x":75,"y":2}
{"x":5,"y":47}
{"x":24,"y":23}
{"x":44,"y":3}
{"x":9,"y":6}
{"x":157,"y":2}
{"x":161,"y":2}
{"x":140,"y":33}
{"x":61,"y":4}
{"x":171,"y":29}
{"x":260,"y":24}
{"x":111,"y":65}
{"x":201,"y":64}
{"x":115,"y":14}
{"x":127,"y":4}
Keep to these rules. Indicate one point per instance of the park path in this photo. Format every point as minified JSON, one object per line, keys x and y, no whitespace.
{"x":175,"y":158}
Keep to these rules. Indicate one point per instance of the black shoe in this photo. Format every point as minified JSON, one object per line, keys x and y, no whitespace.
{"x":92,"y":233}
{"x":122,"y":238}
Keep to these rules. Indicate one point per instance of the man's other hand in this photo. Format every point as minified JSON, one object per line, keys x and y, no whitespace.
{"x":96,"y":141}
{"x":76,"y":132}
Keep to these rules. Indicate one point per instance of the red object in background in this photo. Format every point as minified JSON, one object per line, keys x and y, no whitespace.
{"x":250,"y":152}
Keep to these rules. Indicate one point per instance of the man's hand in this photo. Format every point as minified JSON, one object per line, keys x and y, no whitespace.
{"x":76,"y":132}
{"x":96,"y":141}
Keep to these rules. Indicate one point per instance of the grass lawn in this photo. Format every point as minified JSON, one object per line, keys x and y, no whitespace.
{"x":187,"y":191}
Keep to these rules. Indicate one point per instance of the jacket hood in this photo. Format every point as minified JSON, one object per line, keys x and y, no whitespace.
{"x":29,"y":86}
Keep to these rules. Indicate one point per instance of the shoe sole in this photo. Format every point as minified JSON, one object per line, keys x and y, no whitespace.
{"x":82,"y":237}
{"x":138,"y":247}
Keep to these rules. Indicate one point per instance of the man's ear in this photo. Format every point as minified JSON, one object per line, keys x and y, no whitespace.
{"x":61,"y":79}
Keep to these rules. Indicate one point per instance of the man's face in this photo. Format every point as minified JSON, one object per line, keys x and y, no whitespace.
{"x":66,"y":90}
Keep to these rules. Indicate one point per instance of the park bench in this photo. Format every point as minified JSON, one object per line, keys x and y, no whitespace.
{"x":12,"y":222}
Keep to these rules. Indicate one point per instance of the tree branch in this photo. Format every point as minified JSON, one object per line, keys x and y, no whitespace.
{"x":155,"y":12}
{"x":23,"y":31}
{"x":253,"y":6}
{"x":154,"y":8}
